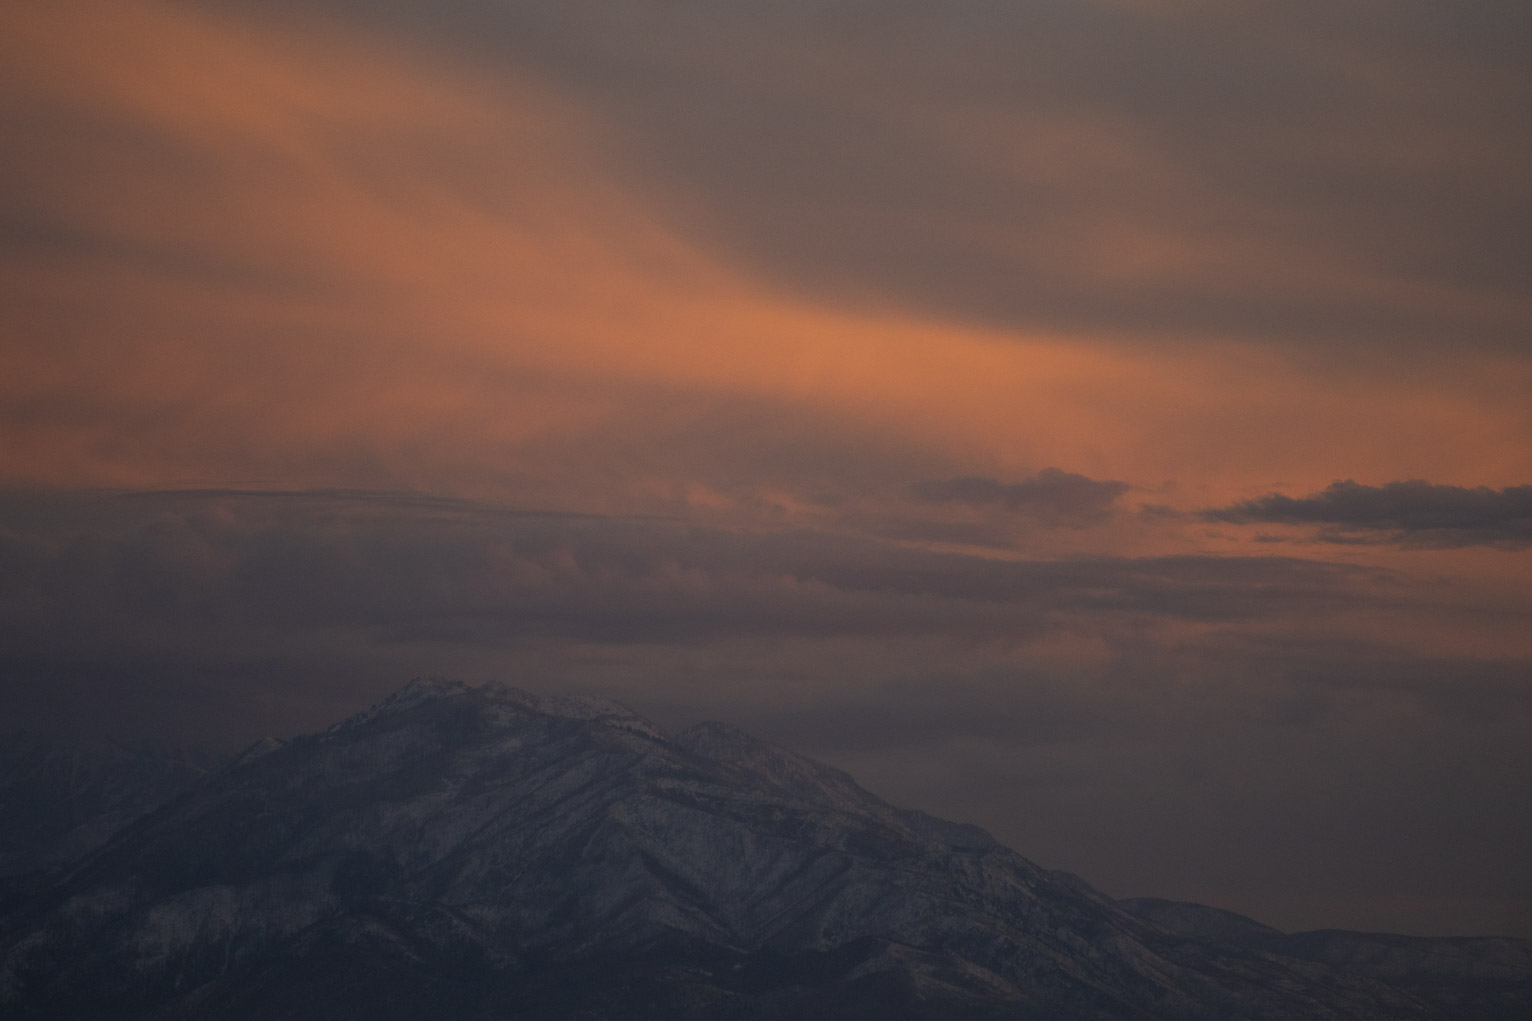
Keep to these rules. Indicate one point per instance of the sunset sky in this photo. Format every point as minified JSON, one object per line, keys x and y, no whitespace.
{"x":1105,"y":421}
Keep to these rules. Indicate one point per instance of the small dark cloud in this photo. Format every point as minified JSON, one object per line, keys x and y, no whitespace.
{"x":1414,"y":512}
{"x":1054,"y":496}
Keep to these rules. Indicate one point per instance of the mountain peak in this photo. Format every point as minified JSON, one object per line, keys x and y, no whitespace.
{"x":424,"y":690}
{"x":416,"y":692}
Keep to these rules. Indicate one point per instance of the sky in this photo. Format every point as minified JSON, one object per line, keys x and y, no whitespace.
{"x":1104,"y":421}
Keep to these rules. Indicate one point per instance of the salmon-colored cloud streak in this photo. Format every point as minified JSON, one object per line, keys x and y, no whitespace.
{"x":292,"y":254}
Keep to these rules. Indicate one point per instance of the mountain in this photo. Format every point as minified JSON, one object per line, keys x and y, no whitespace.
{"x":486,"y":853}
{"x":61,"y":800}
{"x":1484,"y":977}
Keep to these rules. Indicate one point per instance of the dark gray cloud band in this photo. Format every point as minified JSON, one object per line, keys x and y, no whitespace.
{"x":1411,"y":512}
{"x":208,"y":610}
{"x":1053,"y":496}
{"x":228,"y":597}
{"x":216,"y":572}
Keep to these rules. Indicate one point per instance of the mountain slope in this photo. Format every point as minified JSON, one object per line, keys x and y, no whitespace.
{"x":59,"y":801}
{"x":1484,"y":977}
{"x":486,"y":853}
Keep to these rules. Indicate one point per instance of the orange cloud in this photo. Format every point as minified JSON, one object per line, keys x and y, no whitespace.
{"x":290,"y":253}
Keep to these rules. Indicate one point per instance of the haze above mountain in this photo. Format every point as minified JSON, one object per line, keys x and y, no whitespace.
{"x":486,"y":853}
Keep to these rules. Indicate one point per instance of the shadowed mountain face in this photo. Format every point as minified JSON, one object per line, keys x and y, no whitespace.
{"x":60,"y":801}
{"x":483,"y":853}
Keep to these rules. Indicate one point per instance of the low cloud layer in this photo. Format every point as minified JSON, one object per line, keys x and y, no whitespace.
{"x":1052,"y":496}
{"x":194,"y":569}
{"x":1413,"y":513}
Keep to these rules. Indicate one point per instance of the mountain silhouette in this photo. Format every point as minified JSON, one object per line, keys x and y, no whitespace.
{"x":487,"y":853}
